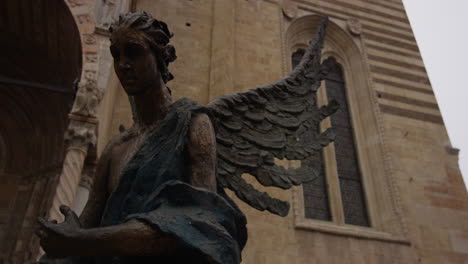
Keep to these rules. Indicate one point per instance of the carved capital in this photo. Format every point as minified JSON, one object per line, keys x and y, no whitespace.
{"x":80,"y":135}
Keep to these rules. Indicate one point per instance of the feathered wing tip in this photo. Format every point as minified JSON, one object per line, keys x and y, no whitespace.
{"x":313,"y":52}
{"x":277,"y":120}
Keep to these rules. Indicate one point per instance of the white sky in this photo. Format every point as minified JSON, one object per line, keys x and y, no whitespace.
{"x":440,"y":27}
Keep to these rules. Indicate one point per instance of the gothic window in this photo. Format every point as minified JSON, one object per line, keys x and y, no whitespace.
{"x":350,"y":197}
{"x":315,"y":193}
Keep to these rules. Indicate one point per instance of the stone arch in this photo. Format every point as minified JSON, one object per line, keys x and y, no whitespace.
{"x":380,"y":189}
{"x":36,"y":94}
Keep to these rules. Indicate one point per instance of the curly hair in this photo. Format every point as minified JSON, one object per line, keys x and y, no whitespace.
{"x":156,"y":33}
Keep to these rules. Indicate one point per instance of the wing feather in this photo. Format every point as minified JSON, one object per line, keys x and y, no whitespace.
{"x":278,"y":120}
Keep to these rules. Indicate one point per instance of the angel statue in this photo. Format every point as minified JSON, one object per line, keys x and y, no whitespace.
{"x":158,"y":194}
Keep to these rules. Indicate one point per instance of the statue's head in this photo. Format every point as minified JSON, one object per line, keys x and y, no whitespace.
{"x":141,"y":51}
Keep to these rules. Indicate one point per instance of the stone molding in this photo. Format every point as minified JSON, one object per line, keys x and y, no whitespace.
{"x":388,"y":163}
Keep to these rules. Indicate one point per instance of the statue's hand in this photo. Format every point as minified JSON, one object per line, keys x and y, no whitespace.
{"x":57,"y":238}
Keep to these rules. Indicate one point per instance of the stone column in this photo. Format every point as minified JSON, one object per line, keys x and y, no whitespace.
{"x":84,"y":186}
{"x":79,"y":137}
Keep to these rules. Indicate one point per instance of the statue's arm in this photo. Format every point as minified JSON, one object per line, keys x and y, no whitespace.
{"x":91,"y":215}
{"x":132,"y":238}
{"x":202,"y":149}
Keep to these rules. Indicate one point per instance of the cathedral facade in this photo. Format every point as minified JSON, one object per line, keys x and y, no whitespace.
{"x":389,"y":190}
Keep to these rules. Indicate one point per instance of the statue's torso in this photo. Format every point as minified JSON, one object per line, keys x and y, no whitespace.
{"x":121,"y":153}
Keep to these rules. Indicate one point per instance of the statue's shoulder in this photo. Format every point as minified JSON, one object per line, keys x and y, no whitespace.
{"x":117,"y":140}
{"x":185,"y":104}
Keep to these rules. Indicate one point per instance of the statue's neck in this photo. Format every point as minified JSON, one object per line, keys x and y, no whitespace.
{"x":151,"y":107}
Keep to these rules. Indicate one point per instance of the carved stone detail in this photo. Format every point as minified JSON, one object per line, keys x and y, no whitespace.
{"x":84,"y":19}
{"x":354,"y":26}
{"x":89,"y":38}
{"x":91,"y":57}
{"x":289,"y":9}
{"x":88,"y":96}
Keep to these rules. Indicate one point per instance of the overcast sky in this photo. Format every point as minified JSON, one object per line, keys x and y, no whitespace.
{"x":441,"y":30}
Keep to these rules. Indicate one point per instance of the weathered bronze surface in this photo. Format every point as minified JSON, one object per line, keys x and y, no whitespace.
{"x":158,"y":194}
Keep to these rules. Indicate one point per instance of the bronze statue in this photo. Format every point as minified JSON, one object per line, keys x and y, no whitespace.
{"x":159,"y":193}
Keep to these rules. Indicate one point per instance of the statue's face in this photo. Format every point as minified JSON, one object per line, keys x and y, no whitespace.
{"x":134,"y":61}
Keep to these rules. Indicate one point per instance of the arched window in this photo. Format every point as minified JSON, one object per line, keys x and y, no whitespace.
{"x":355,"y":195}
{"x":349,"y":202}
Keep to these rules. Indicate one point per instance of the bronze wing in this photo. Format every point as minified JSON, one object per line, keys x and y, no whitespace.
{"x":277,"y":120}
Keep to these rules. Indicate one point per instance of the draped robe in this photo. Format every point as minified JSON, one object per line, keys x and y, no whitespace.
{"x":154,"y":188}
